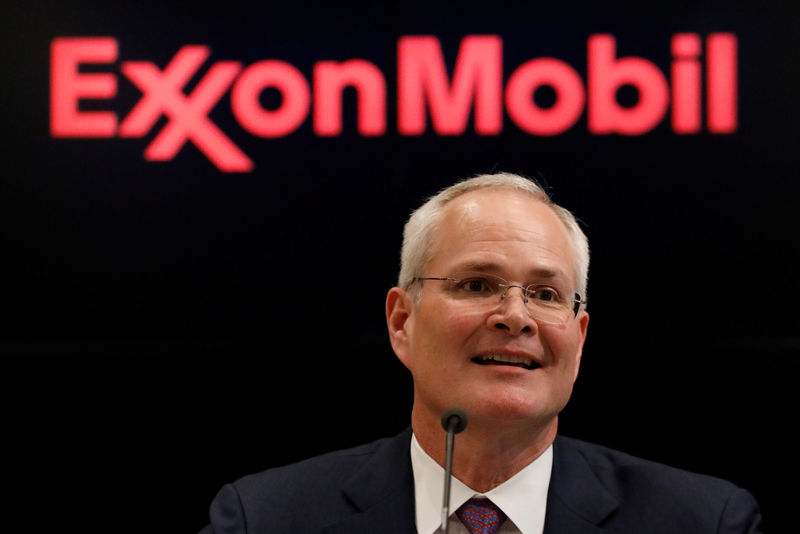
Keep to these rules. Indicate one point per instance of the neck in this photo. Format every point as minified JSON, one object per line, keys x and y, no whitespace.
{"x":487,"y":453}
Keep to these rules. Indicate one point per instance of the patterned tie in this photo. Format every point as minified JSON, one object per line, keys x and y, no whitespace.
{"x":481,"y":516}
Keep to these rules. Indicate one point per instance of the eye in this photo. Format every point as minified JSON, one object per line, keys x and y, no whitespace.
{"x":474,"y":285}
{"x":543,"y":294}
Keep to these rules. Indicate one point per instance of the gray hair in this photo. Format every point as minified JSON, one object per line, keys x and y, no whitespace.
{"x":418,"y":234}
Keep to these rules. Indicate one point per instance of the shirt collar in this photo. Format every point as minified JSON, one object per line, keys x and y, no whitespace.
{"x":523,"y":497}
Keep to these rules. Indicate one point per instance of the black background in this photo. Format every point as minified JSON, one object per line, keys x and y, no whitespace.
{"x":167,"y":328}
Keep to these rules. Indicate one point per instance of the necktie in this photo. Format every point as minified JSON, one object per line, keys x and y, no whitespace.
{"x":481,"y":516}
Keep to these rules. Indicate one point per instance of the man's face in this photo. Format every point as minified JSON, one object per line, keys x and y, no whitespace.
{"x":441,"y":340}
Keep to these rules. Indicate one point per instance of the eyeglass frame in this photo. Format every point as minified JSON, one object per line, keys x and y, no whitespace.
{"x":577,"y":300}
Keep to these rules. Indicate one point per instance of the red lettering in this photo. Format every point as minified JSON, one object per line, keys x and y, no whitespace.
{"x":162,"y":93}
{"x":422,"y":77}
{"x":721,"y":82}
{"x":424,"y":89}
{"x":330,"y":78}
{"x":686,"y":83}
{"x":606,"y":74}
{"x":569,"y":96}
{"x":68,"y":86}
{"x":270,"y":123}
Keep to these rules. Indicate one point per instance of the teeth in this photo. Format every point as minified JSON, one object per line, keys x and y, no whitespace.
{"x":508,"y":359}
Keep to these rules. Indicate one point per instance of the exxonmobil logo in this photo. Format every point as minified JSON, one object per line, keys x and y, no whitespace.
{"x":424,"y":92}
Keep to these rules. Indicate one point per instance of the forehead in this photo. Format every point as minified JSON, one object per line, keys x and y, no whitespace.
{"x":504,"y":230}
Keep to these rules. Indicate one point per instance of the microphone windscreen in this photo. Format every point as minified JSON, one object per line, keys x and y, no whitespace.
{"x":454,"y":419}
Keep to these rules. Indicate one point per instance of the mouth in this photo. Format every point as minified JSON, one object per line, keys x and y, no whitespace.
{"x":505,"y":359}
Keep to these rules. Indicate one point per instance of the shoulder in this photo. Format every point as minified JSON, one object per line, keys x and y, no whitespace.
{"x":619,"y":467}
{"x":319,"y":474}
{"x":636,"y":487}
{"x":303,"y":496}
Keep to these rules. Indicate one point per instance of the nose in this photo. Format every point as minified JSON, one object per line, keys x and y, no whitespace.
{"x":512,"y":315}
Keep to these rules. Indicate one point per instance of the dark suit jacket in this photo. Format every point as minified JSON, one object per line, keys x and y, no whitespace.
{"x":370,"y":489}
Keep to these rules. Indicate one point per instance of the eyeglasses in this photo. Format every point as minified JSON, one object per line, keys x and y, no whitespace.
{"x":545,"y":303}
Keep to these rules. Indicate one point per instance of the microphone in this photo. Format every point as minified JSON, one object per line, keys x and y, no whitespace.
{"x":454,"y":420}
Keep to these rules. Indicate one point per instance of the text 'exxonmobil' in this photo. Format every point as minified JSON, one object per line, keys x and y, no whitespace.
{"x":426,"y":95}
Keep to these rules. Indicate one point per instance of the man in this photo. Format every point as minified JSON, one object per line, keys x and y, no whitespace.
{"x":489,"y":315}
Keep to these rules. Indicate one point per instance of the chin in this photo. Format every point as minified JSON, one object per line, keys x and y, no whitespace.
{"x":510,"y":409}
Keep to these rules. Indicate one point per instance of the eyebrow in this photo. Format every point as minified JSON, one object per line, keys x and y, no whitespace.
{"x":540,"y":272}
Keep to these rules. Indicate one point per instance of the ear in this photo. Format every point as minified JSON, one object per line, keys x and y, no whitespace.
{"x":583,"y":325}
{"x":399,"y":305}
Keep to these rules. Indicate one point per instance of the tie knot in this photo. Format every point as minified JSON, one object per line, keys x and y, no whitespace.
{"x":481,"y":516}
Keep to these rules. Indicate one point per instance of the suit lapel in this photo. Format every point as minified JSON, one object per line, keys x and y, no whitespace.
{"x":576,"y":502}
{"x":391,"y":516}
{"x":382,"y":492}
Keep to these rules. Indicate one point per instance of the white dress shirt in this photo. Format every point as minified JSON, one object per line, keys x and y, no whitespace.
{"x":523,"y":497}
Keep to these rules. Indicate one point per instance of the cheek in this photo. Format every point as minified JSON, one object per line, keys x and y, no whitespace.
{"x":441,"y":332}
{"x":459,"y":330}
{"x":562,"y":346}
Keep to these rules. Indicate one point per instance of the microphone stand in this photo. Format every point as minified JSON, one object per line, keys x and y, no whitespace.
{"x":454,"y":421}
